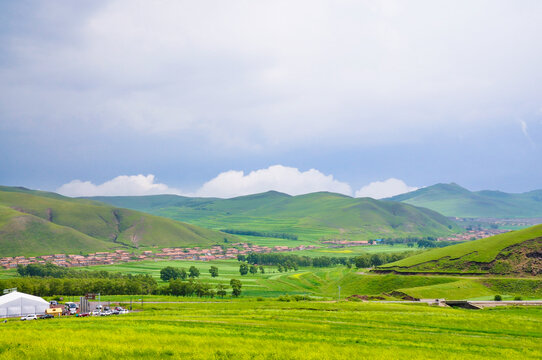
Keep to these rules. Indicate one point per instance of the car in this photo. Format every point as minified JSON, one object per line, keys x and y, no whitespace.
{"x":82,"y":315}
{"x":95,"y":313}
{"x":47,"y":316}
{"x":29,"y":317}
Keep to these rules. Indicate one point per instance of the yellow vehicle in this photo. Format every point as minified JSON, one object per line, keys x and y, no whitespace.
{"x":56,"y":311}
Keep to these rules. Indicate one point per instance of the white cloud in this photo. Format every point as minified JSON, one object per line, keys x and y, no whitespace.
{"x":225,"y":185}
{"x":120,"y":186}
{"x":384,"y":189}
{"x":280,"y":178}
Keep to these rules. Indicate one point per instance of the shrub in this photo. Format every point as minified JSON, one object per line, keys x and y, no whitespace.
{"x":498,"y":298}
{"x":517,"y":298}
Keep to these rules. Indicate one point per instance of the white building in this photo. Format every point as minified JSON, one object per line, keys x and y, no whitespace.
{"x":20,"y":304}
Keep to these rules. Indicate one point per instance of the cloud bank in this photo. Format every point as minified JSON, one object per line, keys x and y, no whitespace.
{"x":124,"y":185}
{"x":285,"y":179}
{"x":234,"y":183}
{"x":384,"y":189}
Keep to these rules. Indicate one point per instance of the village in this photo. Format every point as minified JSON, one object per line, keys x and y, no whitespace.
{"x":215,"y":252}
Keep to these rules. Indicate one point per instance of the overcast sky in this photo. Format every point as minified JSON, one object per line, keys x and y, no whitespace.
{"x":222,"y":98}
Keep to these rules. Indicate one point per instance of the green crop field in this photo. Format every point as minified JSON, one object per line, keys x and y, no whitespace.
{"x":282,"y":330}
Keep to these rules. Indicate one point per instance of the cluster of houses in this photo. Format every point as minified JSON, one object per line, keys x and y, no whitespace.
{"x":473,"y":235}
{"x":118,"y":256}
{"x":343,"y":243}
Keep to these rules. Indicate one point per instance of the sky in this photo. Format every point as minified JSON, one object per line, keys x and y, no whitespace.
{"x":226,"y":98}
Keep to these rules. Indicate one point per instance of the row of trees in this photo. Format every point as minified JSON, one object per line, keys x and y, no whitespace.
{"x":138,"y":284}
{"x":172,"y":273}
{"x":261,"y":234}
{"x":244,"y":269}
{"x":368,"y":260}
{"x":60,"y":272}
{"x":178,"y":287}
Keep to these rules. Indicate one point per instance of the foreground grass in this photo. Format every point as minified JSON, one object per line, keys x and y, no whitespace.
{"x":277,"y":330}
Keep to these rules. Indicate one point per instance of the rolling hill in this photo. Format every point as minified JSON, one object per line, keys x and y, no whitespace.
{"x":515,"y":252}
{"x":34,"y":222}
{"x":312,"y":216}
{"x":454,"y":200}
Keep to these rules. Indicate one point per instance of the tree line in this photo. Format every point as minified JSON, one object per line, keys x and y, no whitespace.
{"x":261,"y":234}
{"x":60,"y":272}
{"x":51,"y":280}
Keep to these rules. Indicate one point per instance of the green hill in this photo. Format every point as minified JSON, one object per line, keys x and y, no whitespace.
{"x":33,"y":222}
{"x":515,"y":252}
{"x":454,"y":200}
{"x":310,"y":217}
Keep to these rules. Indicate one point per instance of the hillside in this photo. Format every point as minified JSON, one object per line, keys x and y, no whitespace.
{"x":454,"y":200}
{"x":310,"y":217}
{"x":33,"y":223}
{"x":515,"y":252}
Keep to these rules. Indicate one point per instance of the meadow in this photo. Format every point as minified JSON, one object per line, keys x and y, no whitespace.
{"x":282,"y":330}
{"x":323,"y":283}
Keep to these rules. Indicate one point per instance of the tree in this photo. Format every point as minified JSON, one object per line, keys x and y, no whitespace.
{"x":262,"y":270}
{"x":193,"y":272}
{"x":243,"y":269}
{"x":376,"y":260}
{"x":169,"y":273}
{"x":362,"y":261}
{"x":280,"y":268}
{"x":241,"y":257}
{"x":253,"y":269}
{"x":214,"y":271}
{"x":236,"y":287}
{"x":182,"y":274}
{"x":221,"y":290}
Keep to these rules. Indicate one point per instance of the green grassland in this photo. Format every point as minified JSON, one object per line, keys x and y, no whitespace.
{"x":454,"y":200}
{"x":310,"y":217}
{"x":466,"y":257}
{"x":282,"y":330}
{"x":32,"y":223}
{"x":324,"y":282}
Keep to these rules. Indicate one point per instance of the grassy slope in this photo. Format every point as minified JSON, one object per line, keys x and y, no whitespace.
{"x":312,"y":216}
{"x":454,"y":200}
{"x":31,"y":223}
{"x":482,"y":251}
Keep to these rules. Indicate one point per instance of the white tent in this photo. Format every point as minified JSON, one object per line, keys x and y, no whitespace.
{"x":20,"y":304}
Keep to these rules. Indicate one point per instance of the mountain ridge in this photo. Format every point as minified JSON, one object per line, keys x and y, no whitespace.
{"x":310,"y":216}
{"x":33,"y":223}
{"x":456,"y":201}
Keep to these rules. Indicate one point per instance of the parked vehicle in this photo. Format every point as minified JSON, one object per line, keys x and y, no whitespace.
{"x":82,"y":315}
{"x":95,"y":313}
{"x":47,"y":316}
{"x":29,"y":317}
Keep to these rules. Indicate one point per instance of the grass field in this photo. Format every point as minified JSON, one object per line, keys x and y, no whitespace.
{"x":324,"y":282}
{"x":479,"y":251}
{"x":279,"y":330}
